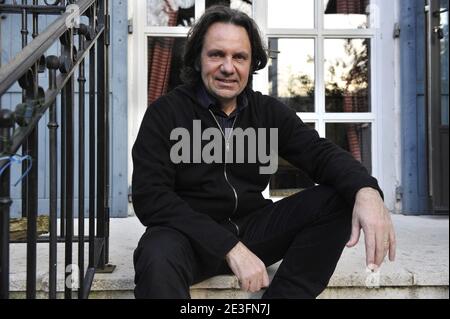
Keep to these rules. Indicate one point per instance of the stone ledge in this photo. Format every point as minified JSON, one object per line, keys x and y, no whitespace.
{"x":422,"y":264}
{"x":110,"y":282}
{"x":417,"y":292}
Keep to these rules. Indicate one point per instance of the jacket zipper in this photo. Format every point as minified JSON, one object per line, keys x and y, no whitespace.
{"x":227,"y":147}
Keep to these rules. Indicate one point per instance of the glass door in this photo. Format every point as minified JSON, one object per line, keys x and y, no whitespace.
{"x":321,"y":65}
{"x":438,"y":103}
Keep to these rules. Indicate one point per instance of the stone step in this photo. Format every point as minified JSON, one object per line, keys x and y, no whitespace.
{"x":421,"y":269}
{"x":227,"y":287}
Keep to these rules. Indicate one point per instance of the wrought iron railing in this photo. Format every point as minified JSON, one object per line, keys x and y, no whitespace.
{"x":19,"y":133}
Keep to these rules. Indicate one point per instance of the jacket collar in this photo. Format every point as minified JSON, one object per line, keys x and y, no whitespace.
{"x":207,"y":101}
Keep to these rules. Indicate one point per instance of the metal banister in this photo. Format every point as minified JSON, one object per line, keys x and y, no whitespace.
{"x":19,"y":132}
{"x":25,"y":59}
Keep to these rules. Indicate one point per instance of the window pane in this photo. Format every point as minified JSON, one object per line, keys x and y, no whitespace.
{"x":355,"y":138}
{"x":346,"y":14}
{"x":241,"y":5}
{"x":164,"y":65}
{"x":289,"y":179}
{"x":291,"y":72}
{"x":170,"y":13}
{"x":347,"y":75}
{"x":291,"y":14}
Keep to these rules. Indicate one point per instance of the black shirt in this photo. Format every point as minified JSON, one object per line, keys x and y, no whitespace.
{"x":210,"y":103}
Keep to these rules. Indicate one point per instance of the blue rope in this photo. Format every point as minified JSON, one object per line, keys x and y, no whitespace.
{"x":17,"y":159}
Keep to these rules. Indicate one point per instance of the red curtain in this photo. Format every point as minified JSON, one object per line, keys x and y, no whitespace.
{"x":353,"y":103}
{"x":159,"y":60}
{"x":352,"y":134}
{"x":351,"y":6}
{"x":346,"y":6}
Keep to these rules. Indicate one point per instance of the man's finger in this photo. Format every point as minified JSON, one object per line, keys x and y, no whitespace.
{"x":370,"y":247}
{"x":356,"y":231}
{"x":266,"y":280}
{"x":381,"y":247}
{"x":392,"y":244}
{"x":255,"y":285}
{"x":245,"y":285}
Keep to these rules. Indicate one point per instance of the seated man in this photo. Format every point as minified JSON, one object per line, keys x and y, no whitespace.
{"x":204,"y":210}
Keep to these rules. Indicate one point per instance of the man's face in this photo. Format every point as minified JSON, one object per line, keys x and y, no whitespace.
{"x":226,"y":61}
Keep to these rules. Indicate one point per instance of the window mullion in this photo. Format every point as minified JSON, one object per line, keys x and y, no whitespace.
{"x":200,"y":7}
{"x":319,"y":15}
{"x":320,"y":72}
{"x":261,"y":79}
{"x":259,"y":11}
{"x":320,"y":85}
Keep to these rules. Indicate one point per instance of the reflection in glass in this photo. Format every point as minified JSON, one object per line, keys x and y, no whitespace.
{"x":355,"y":138}
{"x":241,"y":5}
{"x":291,"y":14}
{"x":347,"y":76}
{"x":289,"y":179}
{"x":291,"y":72}
{"x":346,"y":14}
{"x":170,"y":13}
{"x":444,"y":64}
{"x":164,"y":65}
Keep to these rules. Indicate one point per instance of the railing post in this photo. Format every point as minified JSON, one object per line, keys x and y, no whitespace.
{"x":101,"y":134}
{"x":53,"y":65}
{"x":68,"y":105}
{"x":92,"y":138}
{"x":24,"y":33}
{"x":107,"y":133}
{"x":30,"y":148}
{"x":6,"y":125}
{"x":83,"y":33}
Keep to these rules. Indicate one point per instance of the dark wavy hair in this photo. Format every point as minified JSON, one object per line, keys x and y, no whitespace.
{"x":190,"y":73}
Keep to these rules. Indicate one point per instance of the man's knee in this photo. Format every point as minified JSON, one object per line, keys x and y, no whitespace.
{"x":163,"y":254}
{"x":321,"y":199}
{"x":336,"y":210}
{"x":325,"y":205}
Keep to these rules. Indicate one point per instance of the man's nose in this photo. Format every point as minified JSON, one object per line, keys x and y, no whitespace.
{"x":227,"y":66}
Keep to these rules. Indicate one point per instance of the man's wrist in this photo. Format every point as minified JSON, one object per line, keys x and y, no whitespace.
{"x":367,"y":191}
{"x":232,"y":252}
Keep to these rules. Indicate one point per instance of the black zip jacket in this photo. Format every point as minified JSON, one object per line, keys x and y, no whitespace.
{"x":195,"y":198}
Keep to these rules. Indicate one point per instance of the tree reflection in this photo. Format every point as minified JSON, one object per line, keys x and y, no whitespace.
{"x":346,"y":89}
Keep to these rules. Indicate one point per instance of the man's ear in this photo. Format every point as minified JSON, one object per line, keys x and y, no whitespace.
{"x":197,"y":65}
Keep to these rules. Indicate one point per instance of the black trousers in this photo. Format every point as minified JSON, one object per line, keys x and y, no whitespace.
{"x":308,"y":231}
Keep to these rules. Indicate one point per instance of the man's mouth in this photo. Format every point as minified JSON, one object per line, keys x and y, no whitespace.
{"x":226,"y":81}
